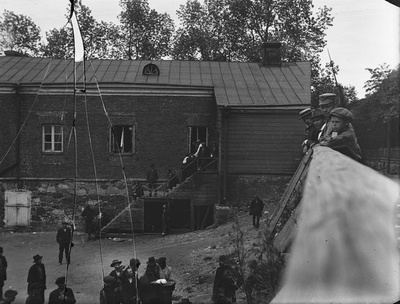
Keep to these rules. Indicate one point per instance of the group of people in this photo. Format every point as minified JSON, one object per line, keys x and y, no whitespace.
{"x":330,"y":126}
{"x":123,"y":286}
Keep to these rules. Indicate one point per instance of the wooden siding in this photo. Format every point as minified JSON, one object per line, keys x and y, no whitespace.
{"x":264,"y":143}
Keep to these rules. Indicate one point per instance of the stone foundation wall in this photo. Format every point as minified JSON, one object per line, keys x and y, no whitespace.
{"x":53,"y":201}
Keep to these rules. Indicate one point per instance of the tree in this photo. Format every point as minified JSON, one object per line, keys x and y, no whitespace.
{"x":235,"y":30}
{"x":146,"y":34}
{"x":100,"y":38}
{"x":324,"y":82}
{"x":19,"y":33}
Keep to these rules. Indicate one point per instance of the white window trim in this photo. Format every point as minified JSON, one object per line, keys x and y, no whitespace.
{"x":53,"y":134}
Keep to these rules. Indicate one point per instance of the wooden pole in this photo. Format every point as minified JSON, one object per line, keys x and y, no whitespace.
{"x":345,"y":250}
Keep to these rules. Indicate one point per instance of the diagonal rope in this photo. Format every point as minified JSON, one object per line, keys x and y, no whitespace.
{"x":121,"y":162}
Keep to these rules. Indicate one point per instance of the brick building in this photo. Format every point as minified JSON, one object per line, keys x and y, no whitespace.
{"x":154,"y":111}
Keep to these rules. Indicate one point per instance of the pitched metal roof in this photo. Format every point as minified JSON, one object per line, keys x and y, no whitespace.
{"x":234,"y":83}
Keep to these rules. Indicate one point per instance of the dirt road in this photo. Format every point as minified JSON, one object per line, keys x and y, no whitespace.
{"x":193,"y":257}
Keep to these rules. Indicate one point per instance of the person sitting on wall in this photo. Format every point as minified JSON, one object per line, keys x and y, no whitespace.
{"x":342,"y":138}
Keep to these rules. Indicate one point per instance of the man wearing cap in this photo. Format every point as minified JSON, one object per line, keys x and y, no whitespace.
{"x":107,"y":293}
{"x":64,"y":238}
{"x":9,"y":296}
{"x":342,"y":137}
{"x":3,"y":271}
{"x":327,"y":103}
{"x":37,"y":279}
{"x":310,"y":131}
{"x":62,"y":295}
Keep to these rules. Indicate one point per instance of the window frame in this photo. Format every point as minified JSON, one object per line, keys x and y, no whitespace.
{"x":151,"y":70}
{"x":195,"y":133}
{"x":112,"y":150}
{"x":52,"y":142}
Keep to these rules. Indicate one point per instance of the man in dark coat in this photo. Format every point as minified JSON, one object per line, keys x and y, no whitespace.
{"x":64,"y":238}
{"x":129,"y":286}
{"x":256,"y":208}
{"x":62,"y":295}
{"x":148,"y":292}
{"x":89,"y":215}
{"x":108,"y":294}
{"x":37,"y":279}
{"x":3,"y":271}
{"x":225,"y":285}
{"x":152,"y":178}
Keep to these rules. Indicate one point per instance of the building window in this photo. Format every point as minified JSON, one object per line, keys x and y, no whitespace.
{"x":194,"y":135}
{"x":151,"y":69}
{"x":52,"y":138}
{"x":122,"y":139}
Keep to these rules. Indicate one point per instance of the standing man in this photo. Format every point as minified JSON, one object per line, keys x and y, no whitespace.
{"x":256,"y":208}
{"x":62,"y":295}
{"x":88,"y":214}
{"x":225,"y":285}
{"x":37,"y":279}
{"x":64,"y":238}
{"x":3,"y":271}
{"x":152,"y":178}
{"x":327,"y":102}
{"x":165,"y":270}
{"x":107,"y":293}
{"x":165,"y":220}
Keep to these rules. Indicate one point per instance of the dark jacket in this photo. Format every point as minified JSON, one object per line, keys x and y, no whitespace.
{"x":344,"y":142}
{"x":129,"y":290}
{"x":36,"y":277}
{"x":64,"y":236}
{"x":225,"y":285}
{"x":256,"y":207}
{"x":109,"y":296}
{"x":69,"y":297}
{"x":3,"y":268}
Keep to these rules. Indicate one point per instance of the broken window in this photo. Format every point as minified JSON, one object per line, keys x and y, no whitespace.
{"x":122,"y":139}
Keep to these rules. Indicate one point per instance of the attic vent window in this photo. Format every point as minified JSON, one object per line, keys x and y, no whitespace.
{"x":151,"y":69}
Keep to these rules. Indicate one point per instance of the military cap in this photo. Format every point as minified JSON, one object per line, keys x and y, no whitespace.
{"x":305,"y":113}
{"x":342,"y":113}
{"x":326,"y":98}
{"x":317,"y":113}
{"x":10,"y":293}
{"x":109,"y":279}
{"x":60,"y":280}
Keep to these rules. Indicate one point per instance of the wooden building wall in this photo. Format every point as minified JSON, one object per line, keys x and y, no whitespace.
{"x":264,"y":143}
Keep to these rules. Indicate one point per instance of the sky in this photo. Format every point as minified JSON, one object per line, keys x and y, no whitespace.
{"x":365,"y":33}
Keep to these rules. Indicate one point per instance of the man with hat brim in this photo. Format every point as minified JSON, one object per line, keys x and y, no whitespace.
{"x":61,"y":295}
{"x":108,"y":294}
{"x":342,"y":137}
{"x":117,"y":274}
{"x":3,"y":271}
{"x":310,"y":130}
{"x":64,"y":240}
{"x":37,"y":279}
{"x":148,"y":291}
{"x":225,"y":285}
{"x":327,"y":102}
{"x":9,"y":296}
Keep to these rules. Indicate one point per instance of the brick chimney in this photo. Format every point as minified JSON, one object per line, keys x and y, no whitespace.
{"x":271,"y":54}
